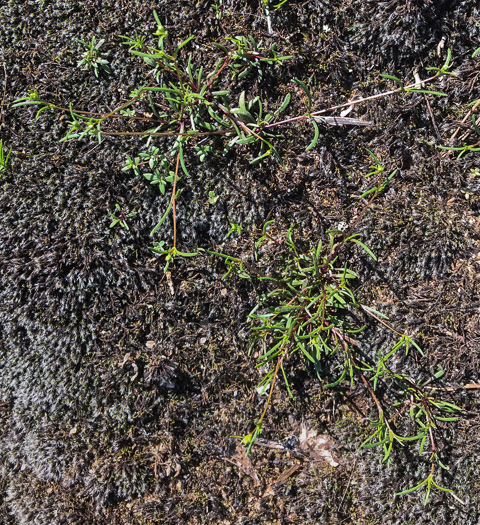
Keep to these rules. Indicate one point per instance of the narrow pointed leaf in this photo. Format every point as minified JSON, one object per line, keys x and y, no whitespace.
{"x":306,"y":90}
{"x":315,"y":138}
{"x":366,"y":248}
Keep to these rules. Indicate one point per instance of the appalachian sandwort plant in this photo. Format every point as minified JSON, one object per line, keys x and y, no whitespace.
{"x":311,"y":308}
{"x":189,"y":104}
{"x":91,"y":58}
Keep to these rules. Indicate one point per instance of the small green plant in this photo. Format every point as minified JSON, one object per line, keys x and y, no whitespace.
{"x":422,"y":409}
{"x":4,"y":159}
{"x":309,"y":311}
{"x":92,"y":58}
{"x":158,"y":162}
{"x":465,"y":148}
{"x":377,"y":168}
{"x":429,"y":482}
{"x":234,"y":228}
{"x":312,"y":310}
{"x":190,"y":104}
{"x":212,"y":198}
{"x":135,"y":43}
{"x":120,"y":218}
{"x":170,"y":253}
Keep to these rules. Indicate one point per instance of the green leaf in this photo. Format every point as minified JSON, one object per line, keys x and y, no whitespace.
{"x":373,"y":156}
{"x":305,"y":89}
{"x":275,"y":152}
{"x":366,"y":248}
{"x":408,"y":491}
{"x":286,"y":382}
{"x":152,"y":106}
{"x":422,"y":443}
{"x":266,"y":225}
{"x":199,"y":79}
{"x":417,"y":347}
{"x":249,"y":140}
{"x":446,"y":406}
{"x":28,"y":103}
{"x":339,"y":380}
{"x":388,"y":179}
{"x":426,"y":91}
{"x":376,"y":312}
{"x":184,"y":43}
{"x":165,"y":215}
{"x":283,"y":106}
{"x":40,"y":110}
{"x":223,"y":48}
{"x":371,"y":190}
{"x":241,"y":101}
{"x":243,"y":114}
{"x":304,"y":351}
{"x":315,"y":138}
{"x":182,"y":162}
{"x":474,"y":124}
{"x":256,"y":160}
{"x":215,"y":117}
{"x":149,"y":55}
{"x":391,"y":77}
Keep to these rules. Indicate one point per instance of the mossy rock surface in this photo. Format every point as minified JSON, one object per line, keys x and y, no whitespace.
{"x":120,"y":386}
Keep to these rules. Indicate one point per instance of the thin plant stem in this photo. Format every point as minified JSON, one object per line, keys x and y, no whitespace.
{"x":174,"y":200}
{"x":123,"y":105}
{"x":275,"y":374}
{"x":353,"y":103}
{"x":224,"y":65}
{"x":380,"y":320}
{"x":4,"y":91}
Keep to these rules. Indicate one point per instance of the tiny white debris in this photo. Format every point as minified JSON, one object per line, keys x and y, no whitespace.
{"x":263,"y":390}
{"x":168,"y":275}
{"x":345,"y":112}
{"x":317,"y":446}
{"x":440,"y":46}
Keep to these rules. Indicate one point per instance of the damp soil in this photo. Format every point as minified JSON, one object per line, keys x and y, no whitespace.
{"x":120,"y":386}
